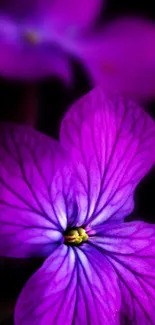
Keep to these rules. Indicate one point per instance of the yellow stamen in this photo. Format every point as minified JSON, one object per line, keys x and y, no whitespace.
{"x":75,"y":236}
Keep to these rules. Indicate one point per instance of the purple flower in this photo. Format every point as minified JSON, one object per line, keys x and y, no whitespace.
{"x":39,"y":37}
{"x":35,"y":36}
{"x":121,"y":57}
{"x":67,"y":201}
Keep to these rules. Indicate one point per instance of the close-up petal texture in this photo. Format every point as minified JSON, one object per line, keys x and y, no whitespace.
{"x":130,"y":248}
{"x":70,"y":289}
{"x":34,"y":200}
{"x":111,"y":144}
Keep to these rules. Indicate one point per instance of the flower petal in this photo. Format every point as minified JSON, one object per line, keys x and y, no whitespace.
{"x":32,"y":65}
{"x":70,"y":288}
{"x":30,"y":61}
{"x":111,"y":143}
{"x":72,"y":15}
{"x":18,"y":10}
{"x":121,"y":57}
{"x":130,"y":248}
{"x":34,"y":201}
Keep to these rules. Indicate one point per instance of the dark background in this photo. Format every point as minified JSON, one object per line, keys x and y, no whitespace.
{"x":53,"y":100}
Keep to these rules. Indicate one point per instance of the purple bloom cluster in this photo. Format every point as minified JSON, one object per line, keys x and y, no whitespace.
{"x":38,"y":38}
{"x":67,"y":201}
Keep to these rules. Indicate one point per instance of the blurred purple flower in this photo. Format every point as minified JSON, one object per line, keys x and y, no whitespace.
{"x":38,"y":38}
{"x":121,"y":57}
{"x":67,"y":202}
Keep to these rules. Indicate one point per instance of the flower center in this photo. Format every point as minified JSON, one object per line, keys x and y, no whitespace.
{"x":75,"y":236}
{"x":31,"y":37}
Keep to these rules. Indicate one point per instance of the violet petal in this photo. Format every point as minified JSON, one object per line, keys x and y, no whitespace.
{"x":111,"y":144}
{"x":73,"y":15}
{"x":19,"y":10}
{"x":53,"y":27}
{"x":34,"y":200}
{"x":32,"y":66}
{"x":121,"y":57}
{"x":70,"y":288}
{"x":30,"y":61}
{"x":130,"y":248}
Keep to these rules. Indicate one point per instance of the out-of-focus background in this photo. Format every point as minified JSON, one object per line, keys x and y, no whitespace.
{"x":53,"y":100}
